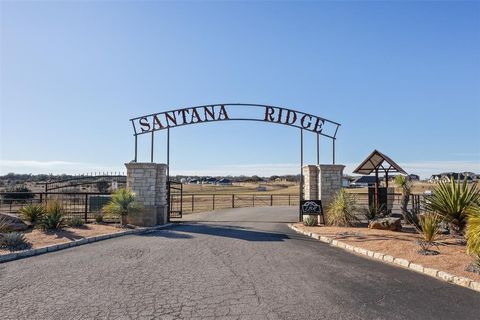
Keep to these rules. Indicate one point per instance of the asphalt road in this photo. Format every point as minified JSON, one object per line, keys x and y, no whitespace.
{"x":231,"y":264}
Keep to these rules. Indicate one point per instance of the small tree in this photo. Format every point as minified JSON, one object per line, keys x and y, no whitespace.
{"x":411,"y":216}
{"x":123,"y":204}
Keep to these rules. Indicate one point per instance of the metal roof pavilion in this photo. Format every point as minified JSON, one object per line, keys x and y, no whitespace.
{"x":375,"y":161}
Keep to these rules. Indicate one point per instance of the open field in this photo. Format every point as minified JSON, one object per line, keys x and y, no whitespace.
{"x":242,"y":188}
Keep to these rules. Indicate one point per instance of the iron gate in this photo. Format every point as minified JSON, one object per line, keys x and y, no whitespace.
{"x":175,"y":190}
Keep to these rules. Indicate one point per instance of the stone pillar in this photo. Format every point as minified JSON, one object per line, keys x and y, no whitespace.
{"x":310,"y":182}
{"x":322,"y":182}
{"x":149,"y":183}
{"x":329,"y":183}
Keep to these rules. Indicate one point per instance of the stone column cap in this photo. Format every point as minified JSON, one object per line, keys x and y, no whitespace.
{"x":144,"y":165}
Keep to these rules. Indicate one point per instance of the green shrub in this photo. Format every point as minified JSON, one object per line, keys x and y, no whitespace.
{"x":53,"y":218}
{"x":342,"y":210}
{"x":473,"y":232}
{"x":32,"y":213}
{"x":452,"y":201}
{"x":123,"y":204}
{"x":310,"y":221}
{"x":13,"y":241}
{"x":75,"y":222}
{"x":429,"y":231}
{"x":99,"y":218}
{"x":372,"y":211}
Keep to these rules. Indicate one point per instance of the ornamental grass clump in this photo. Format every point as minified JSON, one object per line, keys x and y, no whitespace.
{"x":123,"y":204}
{"x":75,"y":222}
{"x":310,"y":221}
{"x":342,"y":210}
{"x":54,"y":217}
{"x":4,"y":224}
{"x":32,"y":213}
{"x":429,"y":231}
{"x":473,"y":236}
{"x":452,"y":201}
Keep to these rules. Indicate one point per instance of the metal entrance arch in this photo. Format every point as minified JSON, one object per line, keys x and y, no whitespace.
{"x":166,"y":120}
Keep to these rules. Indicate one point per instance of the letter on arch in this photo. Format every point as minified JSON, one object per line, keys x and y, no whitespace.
{"x":307,"y":124}
{"x":144,"y":124}
{"x":269,"y":111}
{"x":223,"y":113}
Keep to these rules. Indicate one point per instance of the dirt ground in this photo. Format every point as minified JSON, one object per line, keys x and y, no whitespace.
{"x":452,"y":258}
{"x":38,"y":238}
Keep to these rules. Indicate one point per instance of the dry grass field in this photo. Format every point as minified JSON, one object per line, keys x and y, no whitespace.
{"x":243,"y":188}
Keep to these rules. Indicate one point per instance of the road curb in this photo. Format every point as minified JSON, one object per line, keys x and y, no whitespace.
{"x":437,"y":274}
{"x":56,"y":247}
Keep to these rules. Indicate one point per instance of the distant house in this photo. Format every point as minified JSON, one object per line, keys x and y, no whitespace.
{"x":261,"y":188}
{"x":414,"y":177}
{"x":224,"y":182}
{"x":193,"y":181}
{"x":363,"y":181}
{"x":449,"y":176}
{"x":209,"y":180}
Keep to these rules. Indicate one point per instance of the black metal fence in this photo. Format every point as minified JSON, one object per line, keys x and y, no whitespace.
{"x":82,"y":205}
{"x":208,"y":202}
{"x":394,"y":201}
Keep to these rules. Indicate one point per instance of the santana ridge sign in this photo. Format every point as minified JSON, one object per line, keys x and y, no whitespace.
{"x":234,"y":112}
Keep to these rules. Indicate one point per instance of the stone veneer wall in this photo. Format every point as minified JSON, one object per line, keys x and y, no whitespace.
{"x":149,"y":183}
{"x":322,"y":182}
{"x":310,"y":182}
{"x":329,"y":182}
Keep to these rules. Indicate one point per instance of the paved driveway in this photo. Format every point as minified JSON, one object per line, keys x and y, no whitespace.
{"x":231,"y":264}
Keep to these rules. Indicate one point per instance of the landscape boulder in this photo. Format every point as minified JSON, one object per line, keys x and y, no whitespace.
{"x":392,"y":224}
{"x":14,"y":223}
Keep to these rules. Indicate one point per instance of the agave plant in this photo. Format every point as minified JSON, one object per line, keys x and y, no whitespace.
{"x":13,"y":241}
{"x":123,"y":204}
{"x":54,"y":217}
{"x":32,"y":213}
{"x":342,"y":210}
{"x":452,"y":201}
{"x":372,"y":211}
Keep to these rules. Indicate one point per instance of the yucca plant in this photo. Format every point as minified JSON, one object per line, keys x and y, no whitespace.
{"x":452,"y":200}
{"x":310,"y":221}
{"x":13,"y":241}
{"x":123,"y":204}
{"x":32,"y":213}
{"x":54,"y":217}
{"x":4,"y":224}
{"x":429,"y":231}
{"x":342,"y":210}
{"x":473,"y":233}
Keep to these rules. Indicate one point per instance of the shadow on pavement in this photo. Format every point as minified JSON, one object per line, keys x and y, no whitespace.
{"x":183,"y":231}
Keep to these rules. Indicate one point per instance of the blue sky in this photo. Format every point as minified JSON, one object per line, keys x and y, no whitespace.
{"x":402,"y":77}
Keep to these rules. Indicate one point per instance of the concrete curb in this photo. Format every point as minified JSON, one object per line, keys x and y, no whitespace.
{"x":438,"y":274}
{"x":56,"y":247}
